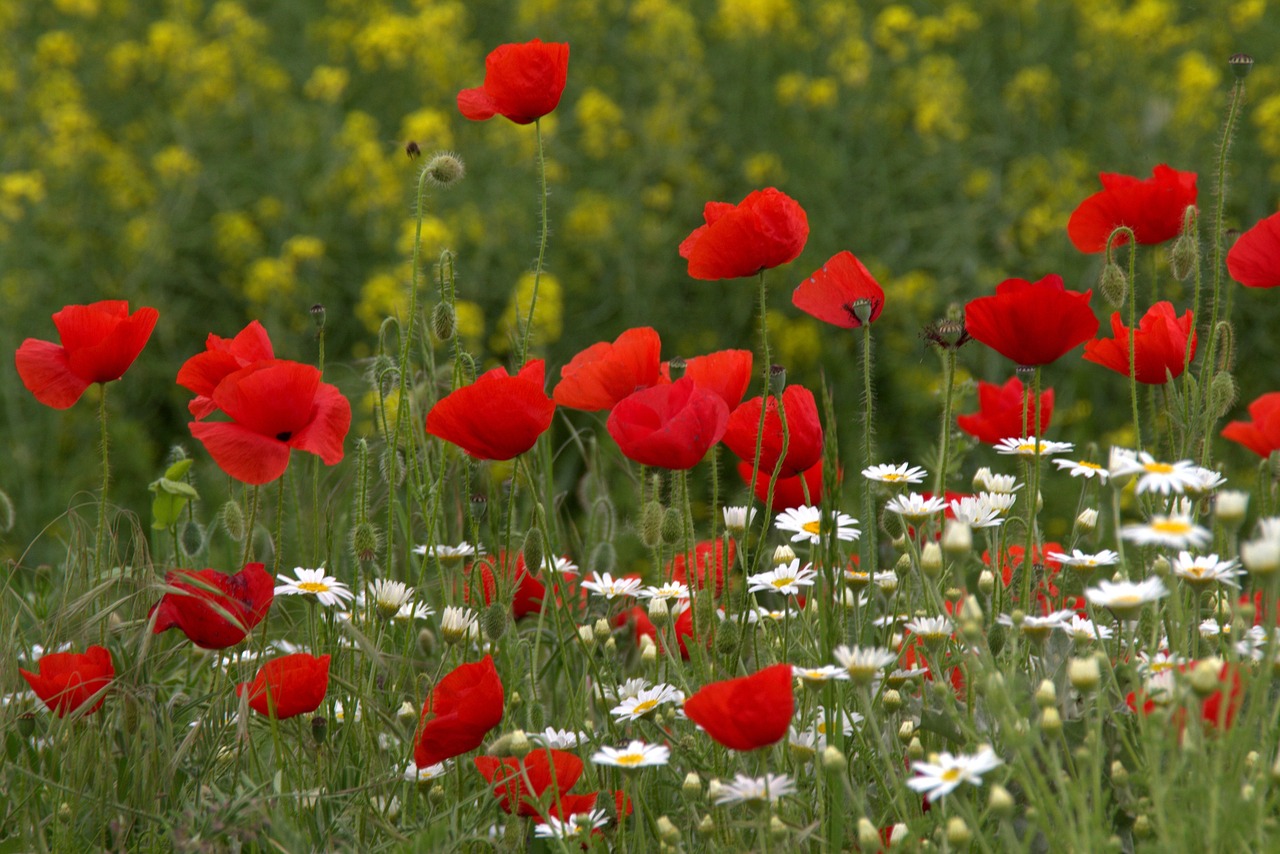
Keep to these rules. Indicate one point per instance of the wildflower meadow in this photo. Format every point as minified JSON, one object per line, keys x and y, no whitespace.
{"x":555,"y":426}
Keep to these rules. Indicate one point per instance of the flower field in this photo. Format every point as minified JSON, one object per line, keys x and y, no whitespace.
{"x":558,"y":426}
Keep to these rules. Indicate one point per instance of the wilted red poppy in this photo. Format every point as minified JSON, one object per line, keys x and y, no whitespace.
{"x":715,"y":554}
{"x":535,"y":782}
{"x":1153,"y":207}
{"x":764,"y":230}
{"x":671,"y":426}
{"x":498,"y":416}
{"x":788,"y":492}
{"x":1254,"y":260}
{"x":1160,"y":345}
{"x":747,"y":712}
{"x":99,"y":343}
{"x":804,"y":431}
{"x":288,"y":685}
{"x":726,"y":372}
{"x":66,"y":681}
{"x":274,"y":406}
{"x":1032,"y":323}
{"x":213,"y":609}
{"x":839,"y":292}
{"x":461,"y":710}
{"x":1262,"y":434}
{"x":221,"y":358}
{"x":522,"y":82}
{"x":605,"y":373}
{"x":1000,"y":411}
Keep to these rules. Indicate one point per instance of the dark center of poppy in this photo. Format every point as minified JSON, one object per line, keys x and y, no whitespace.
{"x":284,"y":435}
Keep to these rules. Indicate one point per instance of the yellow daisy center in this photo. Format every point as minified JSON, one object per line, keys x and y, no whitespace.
{"x":644,"y":706}
{"x":629,"y":759}
{"x":780,"y":583}
{"x":813,"y":527}
{"x":313,"y":587}
{"x":892,"y":476}
{"x":1093,"y":466}
{"x":1171,"y":526}
{"x":951,"y":775}
{"x":1157,"y":468}
{"x":1126,"y":601}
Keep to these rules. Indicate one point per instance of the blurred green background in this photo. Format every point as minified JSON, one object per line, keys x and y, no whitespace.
{"x":224,"y":161}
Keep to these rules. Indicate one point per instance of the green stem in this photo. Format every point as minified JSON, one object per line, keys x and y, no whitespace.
{"x":764,"y":399}
{"x":868,"y":405}
{"x":1032,"y":497}
{"x":253,"y":521}
{"x":104,"y":444}
{"x":542,"y":242}
{"x":944,"y":441}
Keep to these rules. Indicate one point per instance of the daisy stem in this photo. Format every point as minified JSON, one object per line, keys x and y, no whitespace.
{"x":944,"y":440}
{"x":868,"y":405}
{"x":104,"y":445}
{"x":1032,"y":499}
{"x":542,"y":242}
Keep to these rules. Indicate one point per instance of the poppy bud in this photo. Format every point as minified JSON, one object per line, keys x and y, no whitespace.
{"x":391,"y":465}
{"x":319,"y":728}
{"x":382,"y":374}
{"x":1241,"y":64}
{"x":672,"y":525}
{"x":727,"y":636}
{"x":444,"y":322}
{"x":532,"y":550}
{"x":445,"y":169}
{"x":1222,"y":394}
{"x":366,"y":541}
{"x":191,"y":537}
{"x":651,"y":519}
{"x":426,"y":641}
{"x":468,"y":364}
{"x":495,"y":621}
{"x":1183,"y":256}
{"x":231,"y":515}
{"x":1113,"y":283}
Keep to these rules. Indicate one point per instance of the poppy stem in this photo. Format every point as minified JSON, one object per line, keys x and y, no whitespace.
{"x":248,"y":531}
{"x":944,"y":440}
{"x":1028,"y":562}
{"x":869,"y":525}
{"x":104,"y":446}
{"x":542,"y":243}
{"x":764,"y":400}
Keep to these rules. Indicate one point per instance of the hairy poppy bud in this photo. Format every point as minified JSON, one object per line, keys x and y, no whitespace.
{"x":1113,"y":283}
{"x":366,"y":541}
{"x":445,"y":169}
{"x":1183,"y":256}
{"x":444,"y":321}
{"x":651,"y":519}
{"x":231,"y":515}
{"x":495,"y":621}
{"x":532,"y":550}
{"x":672,"y":525}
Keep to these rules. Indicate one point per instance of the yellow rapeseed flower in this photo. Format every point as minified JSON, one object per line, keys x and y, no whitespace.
{"x":548,"y":313}
{"x":431,"y":129}
{"x":173,"y":164}
{"x":327,"y":83}
{"x":267,"y":280}
{"x":56,"y":49}
{"x":236,"y":237}
{"x":600,"y":121}
{"x":19,"y":189}
{"x":756,"y":18}
{"x":591,"y":217}
{"x":1199,"y":82}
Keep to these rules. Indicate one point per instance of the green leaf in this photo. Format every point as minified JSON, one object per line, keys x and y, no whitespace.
{"x":179,"y":470}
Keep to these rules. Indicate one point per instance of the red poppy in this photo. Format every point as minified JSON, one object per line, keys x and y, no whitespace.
{"x":705,"y":554}
{"x":1048,"y":596}
{"x":1160,"y":345}
{"x":671,"y":426}
{"x":288,"y":685}
{"x":747,"y":712}
{"x":1032,"y":323}
{"x":274,"y":407}
{"x":605,"y":373}
{"x":498,"y":416}
{"x":522,"y":82}
{"x":788,"y":492}
{"x":832,"y":294}
{"x":1254,"y":260}
{"x":67,"y":681}
{"x":1217,"y":710}
{"x":1262,"y":434}
{"x":804,"y":431}
{"x":221,"y":358}
{"x":461,"y":710}
{"x":764,"y":230}
{"x":1153,"y":208}
{"x":535,"y":782}
{"x":642,"y":626}
{"x":1000,"y":411}
{"x":529,"y":591}
{"x":213,"y":609}
{"x":726,"y":372}
{"x":99,"y":343}
{"x":913,"y":656}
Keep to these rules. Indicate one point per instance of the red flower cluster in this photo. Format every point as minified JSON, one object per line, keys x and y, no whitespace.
{"x":99,"y":343}
{"x":604,"y":373}
{"x":498,"y":416}
{"x":670,"y":426}
{"x":1262,"y":434}
{"x":522,"y":82}
{"x":288,"y":686}
{"x":1254,"y":260}
{"x":1032,"y":323}
{"x":213,"y":609}
{"x":1153,"y":208}
{"x":1000,"y":412}
{"x":1160,"y":345}
{"x":747,"y":712}
{"x":67,"y":681}
{"x":839,"y":292}
{"x":766,"y":229}
{"x":462,"y":708}
{"x":804,"y":432}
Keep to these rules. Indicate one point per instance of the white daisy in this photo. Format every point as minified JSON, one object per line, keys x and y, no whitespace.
{"x":768,"y":615}
{"x":1202,"y":570}
{"x":930,"y":629}
{"x":1001,"y":484}
{"x":631,"y":688}
{"x":1083,"y":562}
{"x":1207,"y":480}
{"x":897,"y":474}
{"x":1084,"y":630}
{"x":788,"y":579}
{"x":449,"y":555}
{"x":863,"y":663}
{"x":1155,"y":476}
{"x":945,"y":772}
{"x":389,"y":596}
{"x":1026,"y":447}
{"x":805,"y":523}
{"x":1001,"y":502}
{"x":914,"y":507}
{"x":577,"y":826}
{"x":609,"y":587}
{"x":1210,"y":628}
{"x":671,"y":590}
{"x":1162,"y":661}
{"x":314,"y":582}
{"x":341,"y":716}
{"x":635,"y":707}
{"x":815,"y":675}
{"x":414,"y":774}
{"x":555,"y":563}
{"x":1175,"y":531}
{"x":459,"y":624}
{"x":560,"y":739}
{"x":1126,"y":598}
{"x":1083,"y":468}
{"x":738,"y":519}
{"x":756,"y":790}
{"x":976,"y":513}
{"x":637,"y":754}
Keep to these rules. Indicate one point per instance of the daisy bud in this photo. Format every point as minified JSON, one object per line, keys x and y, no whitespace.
{"x":495,"y":621}
{"x":971,"y":609}
{"x":980,"y":479}
{"x":783,"y":555}
{"x":986,"y":582}
{"x":659,"y":612}
{"x":1161,"y":567}
{"x":1051,"y":722}
{"x":1087,"y":520}
{"x":667,"y":831}
{"x":957,"y":539}
{"x":445,"y":169}
{"x":958,"y":833}
{"x":897,"y":835}
{"x":906,"y":732}
{"x":1046,"y":694}
{"x":1204,"y":677}
{"x":444,"y":321}
{"x":1247,"y":792}
{"x":603,"y":629}
{"x":1230,"y":506}
{"x":931,"y":560}
{"x":1241,"y":64}
{"x":777,"y":829}
{"x":833,"y":760}
{"x":1113,"y":283}
{"x":648,"y":655}
{"x":231,"y":515}
{"x":610,"y":645}
{"x":706,"y":827}
{"x":915,"y":750}
{"x":651,"y":525}
{"x":868,"y":836}
{"x":692,"y":785}
{"x":1183,"y":256}
{"x":672,"y":528}
{"x":1142,"y":827}
{"x":1084,"y":674}
{"x":587,"y":634}
{"x":1001,"y":802}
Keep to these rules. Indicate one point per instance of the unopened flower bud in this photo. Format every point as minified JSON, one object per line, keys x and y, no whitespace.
{"x":1204,"y":677}
{"x":319,"y":728}
{"x":958,"y":833}
{"x":957,"y":538}
{"x":986,"y":582}
{"x":1087,"y":520}
{"x":1119,"y":773}
{"x":444,"y":321}
{"x":1142,"y":827}
{"x":833,"y":760}
{"x":1230,"y":506}
{"x":672,"y":525}
{"x":1260,"y":557}
{"x":980,"y":479}
{"x":897,"y":835}
{"x":891,"y":700}
{"x":692,"y":785}
{"x":931,"y":560}
{"x":587,"y":634}
{"x":495,"y":621}
{"x":1113,"y":283}
{"x":1183,"y":256}
{"x":426,"y":641}
{"x":445,"y":169}
{"x":532,"y":550}
{"x":868,"y":836}
{"x":1050,"y":722}
{"x":1001,"y":802}
{"x":602,"y":629}
{"x":783,"y":555}
{"x":659,"y":611}
{"x":649,"y":654}
{"x":1161,"y":567}
{"x":651,"y":524}
{"x":1046,"y":694}
{"x":1241,"y":64}
{"x":915,"y":750}
{"x":906,"y":732}
{"x":1084,"y":674}
{"x":667,"y":831}
{"x":1222,"y":393}
{"x":231,"y":515}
